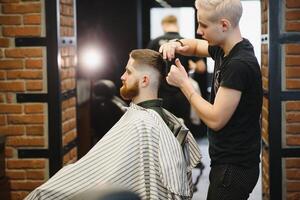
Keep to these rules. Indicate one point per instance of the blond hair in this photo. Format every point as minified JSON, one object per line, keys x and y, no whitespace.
{"x":229,"y":9}
{"x":169,"y":19}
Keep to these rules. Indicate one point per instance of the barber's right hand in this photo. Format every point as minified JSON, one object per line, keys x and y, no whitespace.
{"x":170,"y":48}
{"x":177,"y":74}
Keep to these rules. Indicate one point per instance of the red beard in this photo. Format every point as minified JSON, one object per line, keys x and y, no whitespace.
{"x":127,"y":93}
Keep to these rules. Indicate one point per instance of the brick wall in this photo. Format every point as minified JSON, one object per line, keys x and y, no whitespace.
{"x":291,"y":125}
{"x":265,"y":108}
{"x":68,"y":81}
{"x":290,"y":109}
{"x":69,"y":129}
{"x":23,"y":70}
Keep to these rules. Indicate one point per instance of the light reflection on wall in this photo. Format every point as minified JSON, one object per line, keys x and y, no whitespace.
{"x":91,"y":59}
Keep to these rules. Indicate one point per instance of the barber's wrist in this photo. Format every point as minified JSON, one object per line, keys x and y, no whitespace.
{"x":191,"y":95}
{"x":187,"y":88}
{"x":178,"y":41}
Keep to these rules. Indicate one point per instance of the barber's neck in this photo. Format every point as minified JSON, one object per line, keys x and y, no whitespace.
{"x":233,"y":38}
{"x":144,"y":96}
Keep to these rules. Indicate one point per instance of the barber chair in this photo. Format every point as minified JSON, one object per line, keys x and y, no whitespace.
{"x":107,"y":108}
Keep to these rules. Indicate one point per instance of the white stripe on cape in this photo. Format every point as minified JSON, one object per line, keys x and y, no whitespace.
{"x":139,"y":153}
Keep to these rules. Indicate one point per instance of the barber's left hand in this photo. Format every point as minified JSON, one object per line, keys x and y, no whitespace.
{"x":177,"y":75}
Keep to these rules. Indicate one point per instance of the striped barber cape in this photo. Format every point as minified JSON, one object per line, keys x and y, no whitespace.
{"x":139,"y":153}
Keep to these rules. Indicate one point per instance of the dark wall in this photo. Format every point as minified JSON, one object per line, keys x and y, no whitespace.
{"x":111,"y":24}
{"x":118,"y":26}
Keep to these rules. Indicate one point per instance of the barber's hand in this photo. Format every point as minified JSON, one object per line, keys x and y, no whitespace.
{"x":177,"y":75}
{"x":170,"y":48}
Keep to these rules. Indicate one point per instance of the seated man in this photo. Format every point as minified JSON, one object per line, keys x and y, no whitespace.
{"x":139,"y":153}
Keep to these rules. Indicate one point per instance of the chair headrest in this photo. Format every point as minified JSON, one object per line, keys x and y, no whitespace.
{"x":104,"y":89}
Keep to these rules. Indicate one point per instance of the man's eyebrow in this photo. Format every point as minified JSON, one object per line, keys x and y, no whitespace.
{"x":127,"y":69}
{"x":202,"y":23}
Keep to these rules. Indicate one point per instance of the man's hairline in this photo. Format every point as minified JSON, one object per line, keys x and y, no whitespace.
{"x":137,"y":66}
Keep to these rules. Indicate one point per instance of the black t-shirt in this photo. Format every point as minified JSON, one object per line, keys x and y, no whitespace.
{"x":239,"y":141}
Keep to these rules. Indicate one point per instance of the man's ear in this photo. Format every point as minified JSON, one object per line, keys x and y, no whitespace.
{"x":145,"y":81}
{"x":225,"y":23}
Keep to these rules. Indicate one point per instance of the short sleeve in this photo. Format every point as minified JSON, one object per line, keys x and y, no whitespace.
{"x":236,"y":75}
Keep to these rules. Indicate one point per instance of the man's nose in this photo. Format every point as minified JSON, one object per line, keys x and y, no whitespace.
{"x":123,"y":77}
{"x":199,"y":31}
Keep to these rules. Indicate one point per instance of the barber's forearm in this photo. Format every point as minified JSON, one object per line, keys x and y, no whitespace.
{"x":204,"y":109}
{"x":192,"y":44}
{"x":197,"y":47}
